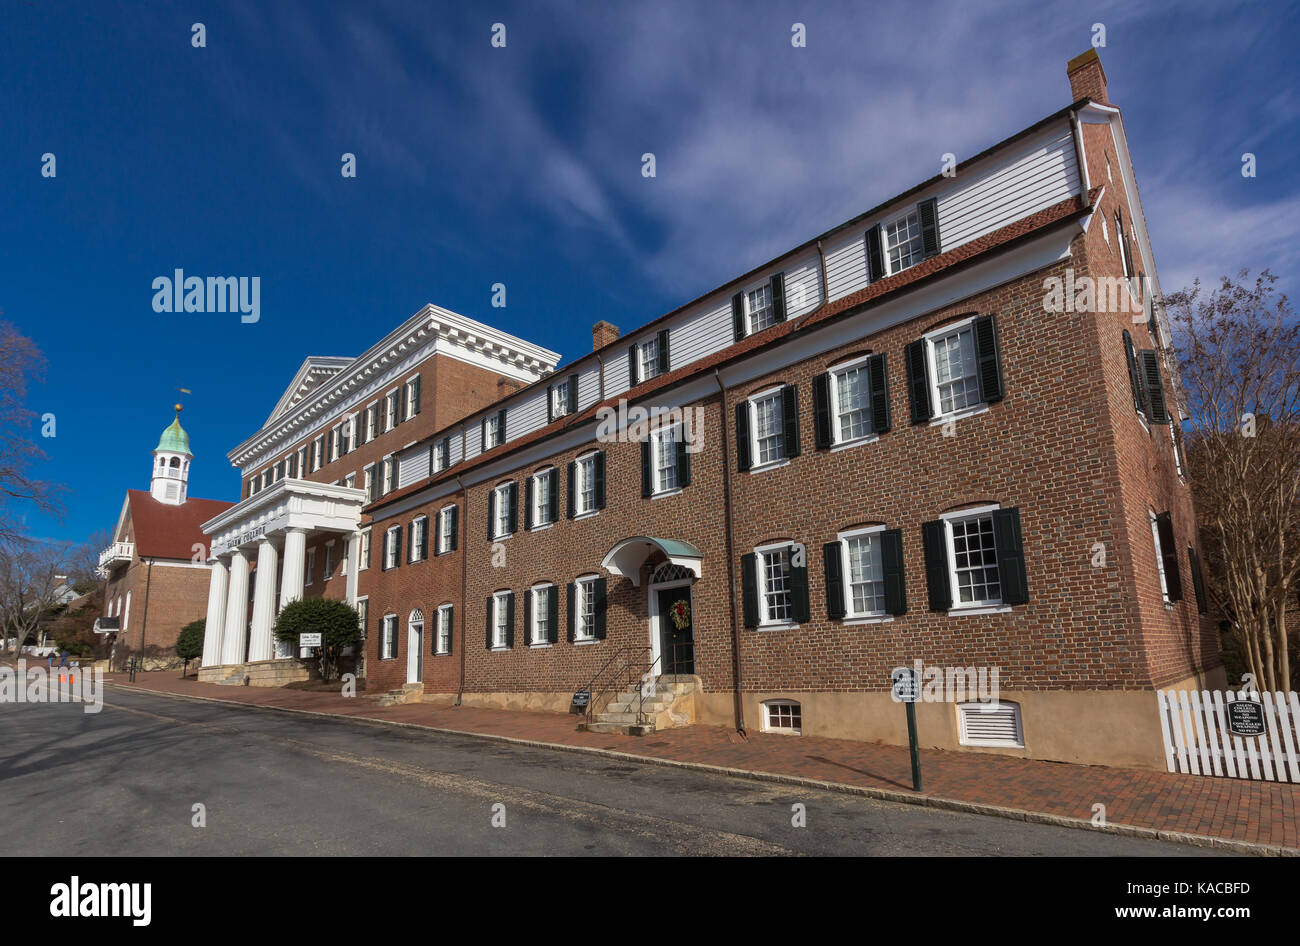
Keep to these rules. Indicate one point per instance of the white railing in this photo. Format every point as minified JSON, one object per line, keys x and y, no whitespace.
{"x":1205,"y":733}
{"x":117,"y":552}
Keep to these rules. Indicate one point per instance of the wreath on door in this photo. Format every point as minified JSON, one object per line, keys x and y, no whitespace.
{"x":680,"y":612}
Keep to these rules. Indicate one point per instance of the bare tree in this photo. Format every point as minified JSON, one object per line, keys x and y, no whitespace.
{"x":1238,"y":349}
{"x":32,"y":576}
{"x":20,"y":362}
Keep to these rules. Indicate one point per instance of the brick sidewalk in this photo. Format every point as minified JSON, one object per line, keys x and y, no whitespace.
{"x":1227,"y":809}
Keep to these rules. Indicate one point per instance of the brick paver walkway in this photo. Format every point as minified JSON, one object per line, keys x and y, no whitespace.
{"x":1230,"y":809}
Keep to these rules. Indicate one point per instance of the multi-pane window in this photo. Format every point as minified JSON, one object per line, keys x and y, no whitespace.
{"x":956,"y":379}
{"x":419,"y":538}
{"x":769,"y":429}
{"x":559,"y":400}
{"x":350,"y":481}
{"x":648,"y":359}
{"x":1160,"y":558}
{"x":318,"y":453}
{"x":292,"y":463}
{"x":903,"y":243}
{"x":974,"y":560}
{"x":388,"y":640}
{"x":864,"y":572}
{"x":412,"y":393}
{"x":442,"y":455}
{"x":664,"y":454}
{"x":390,"y":474}
{"x":500,"y":615}
{"x":774,"y":585}
{"x":759,"y":309}
{"x":372,"y":422}
{"x":540,"y":632}
{"x":368,"y":481}
{"x":390,"y":548}
{"x":363,"y":553}
{"x":584,"y":499}
{"x":445,"y":528}
{"x":851,"y":402}
{"x":543,"y":483}
{"x":442,"y":643}
{"x":363,"y":615}
{"x":783,"y":716}
{"x":329,"y":560}
{"x":501,"y":522}
{"x":310,"y":568}
{"x":491,"y":432}
{"x":584,"y":609}
{"x":390,"y":410}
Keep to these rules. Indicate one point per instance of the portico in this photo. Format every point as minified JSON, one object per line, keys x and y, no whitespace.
{"x":265,"y":537}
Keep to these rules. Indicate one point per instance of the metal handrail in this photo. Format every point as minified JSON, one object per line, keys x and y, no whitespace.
{"x":626,"y":655}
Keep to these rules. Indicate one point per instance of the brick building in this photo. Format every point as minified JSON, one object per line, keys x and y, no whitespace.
{"x":944,"y":431}
{"x":156,"y":576}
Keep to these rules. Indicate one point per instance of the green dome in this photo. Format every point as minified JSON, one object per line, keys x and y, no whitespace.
{"x":175,"y":439}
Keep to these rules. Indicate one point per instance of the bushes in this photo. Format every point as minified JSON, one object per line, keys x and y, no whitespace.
{"x":336,"y":621}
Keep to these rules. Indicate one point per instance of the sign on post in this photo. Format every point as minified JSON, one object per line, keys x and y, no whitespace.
{"x":312,"y":639}
{"x":907,"y":690}
{"x":1246,"y":718}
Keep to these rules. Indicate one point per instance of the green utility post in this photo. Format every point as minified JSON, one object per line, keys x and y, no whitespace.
{"x":907,"y":691}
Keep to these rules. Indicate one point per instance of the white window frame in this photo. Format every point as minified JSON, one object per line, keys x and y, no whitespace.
{"x":834,"y":372}
{"x":363,"y":550}
{"x":500,"y":511}
{"x":392,"y":400}
{"x":769,"y":705}
{"x":408,"y":395}
{"x":444,"y":529}
{"x":885,"y":256}
{"x":560,"y":400}
{"x":419,"y":525}
{"x":311,"y":565}
{"x":388,"y":475}
{"x":302,"y":461}
{"x":492,"y":425}
{"x":542,"y":510}
{"x":659,"y":437}
{"x":750,"y":310}
{"x":499,"y":620}
{"x":368,"y":479}
{"x":329,"y":560}
{"x":585,"y":631}
{"x":755,"y":465}
{"x":444,"y":617}
{"x":585,"y":462}
{"x":1160,"y":559}
{"x":371,"y":422}
{"x":384,"y":637}
{"x":987,"y":606}
{"x":765,"y":622}
{"x":536,"y":613}
{"x":647,"y":358}
{"x":851,"y":615}
{"x":978,"y":406}
{"x":350,"y":481}
{"x":391,"y":551}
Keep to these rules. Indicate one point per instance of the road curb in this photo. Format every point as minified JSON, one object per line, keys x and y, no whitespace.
{"x":881,"y":794}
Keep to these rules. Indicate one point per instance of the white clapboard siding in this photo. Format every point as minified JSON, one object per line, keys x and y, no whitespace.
{"x":413,"y":465}
{"x":803,"y":286}
{"x":1197,"y":740}
{"x":616,"y":369}
{"x":529,"y":414}
{"x":588,"y":387}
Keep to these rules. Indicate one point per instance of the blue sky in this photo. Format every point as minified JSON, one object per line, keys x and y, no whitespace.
{"x":478,"y":165}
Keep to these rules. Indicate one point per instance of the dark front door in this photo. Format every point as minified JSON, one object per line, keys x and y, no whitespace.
{"x":676,"y":644}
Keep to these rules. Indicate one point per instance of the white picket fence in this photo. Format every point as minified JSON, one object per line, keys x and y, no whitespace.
{"x":1198,"y":741}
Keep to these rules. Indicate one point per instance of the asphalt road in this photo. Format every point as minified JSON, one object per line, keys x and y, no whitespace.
{"x":126,"y":781}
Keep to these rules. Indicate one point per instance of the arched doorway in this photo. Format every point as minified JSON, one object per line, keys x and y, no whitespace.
{"x":672,"y":619}
{"x":415,"y":647}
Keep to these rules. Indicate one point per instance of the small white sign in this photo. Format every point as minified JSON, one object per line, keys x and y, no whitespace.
{"x":309,"y":640}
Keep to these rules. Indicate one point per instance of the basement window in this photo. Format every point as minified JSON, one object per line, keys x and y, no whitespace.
{"x":783,"y":716}
{"x":991,"y":724}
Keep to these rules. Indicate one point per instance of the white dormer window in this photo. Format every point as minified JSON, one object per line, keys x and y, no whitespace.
{"x":903,"y":244}
{"x":491,"y":432}
{"x":648,"y":358}
{"x":759,"y":311}
{"x":559,"y":400}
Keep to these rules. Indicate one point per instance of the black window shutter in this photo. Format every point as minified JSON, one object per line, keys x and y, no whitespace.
{"x":492,"y":514}
{"x":646,"y":486}
{"x":928,"y":212}
{"x":402,"y":413}
{"x":935,"y":538}
{"x":875,"y":256}
{"x":550,"y":403}
{"x":528,"y":618}
{"x":489,"y":622}
{"x":399,"y":545}
{"x":790,"y":419}
{"x":633,"y":367}
{"x":798,"y":584}
{"x":553,"y":497}
{"x":1153,"y":387}
{"x":600,"y":480}
{"x":424,"y":540}
{"x":989,"y":357}
{"x":512,"y":495}
{"x":1011,"y":556}
{"x":572,"y":627}
{"x":749,"y":588}
{"x":778,"y":296}
{"x":821,"y":387}
{"x":601,"y":605}
{"x":878,"y":388}
{"x":1169,"y":555}
{"x":891,"y":560}
{"x":572,"y":394}
{"x":1198,"y":580}
{"x":510,"y":619}
{"x":1134,"y":377}
{"x":738,"y":316}
{"x":663,"y":351}
{"x":552,"y":615}
{"x":832,"y":567}
{"x":568,"y":494}
{"x":416,"y":409}
{"x":455,"y":525}
{"x":683,"y":460}
{"x":501,"y":426}
{"x":742,"y":436}
{"x":528,"y":502}
{"x":918,"y":382}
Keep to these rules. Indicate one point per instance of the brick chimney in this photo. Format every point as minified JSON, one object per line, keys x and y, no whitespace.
{"x":1087,"y":78}
{"x":602,"y":333}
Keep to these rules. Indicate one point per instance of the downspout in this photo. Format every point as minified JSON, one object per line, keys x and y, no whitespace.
{"x":1080,"y":157}
{"x":464,"y":553}
{"x":731,"y":560}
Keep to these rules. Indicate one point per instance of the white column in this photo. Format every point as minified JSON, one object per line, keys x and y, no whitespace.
{"x":260,"y":646}
{"x":235,"y":636}
{"x":354,"y":558}
{"x":216,"y":613}
{"x":295,"y":565}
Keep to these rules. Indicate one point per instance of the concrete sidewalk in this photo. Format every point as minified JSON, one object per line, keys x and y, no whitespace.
{"x":1251,"y":817}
